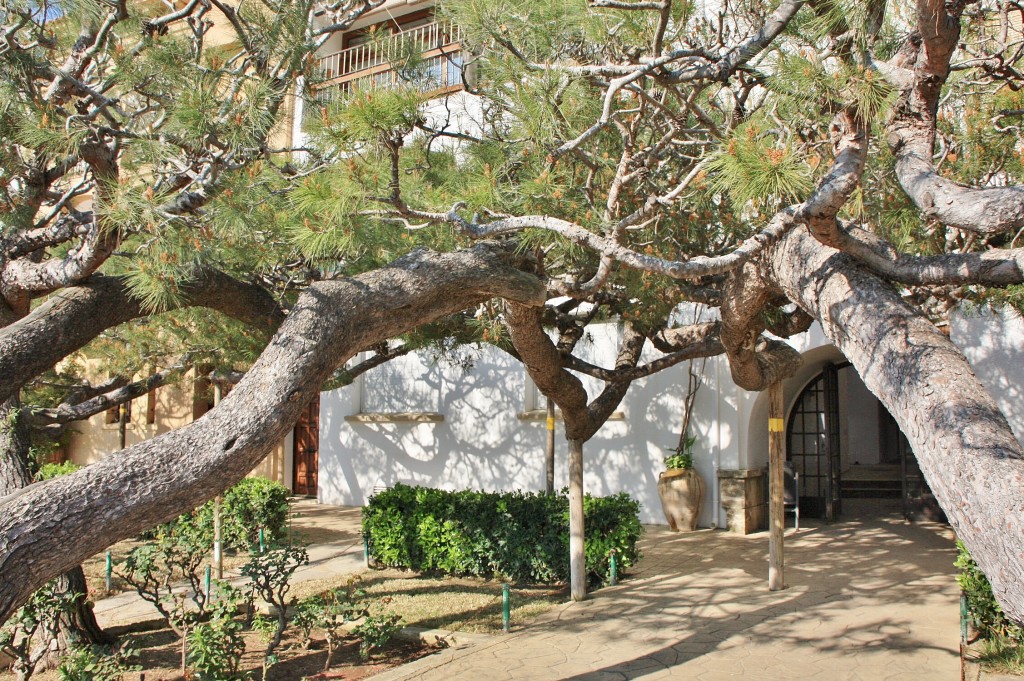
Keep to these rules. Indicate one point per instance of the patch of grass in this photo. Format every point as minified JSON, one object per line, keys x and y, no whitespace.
{"x":1001,"y":655}
{"x":455,"y":604}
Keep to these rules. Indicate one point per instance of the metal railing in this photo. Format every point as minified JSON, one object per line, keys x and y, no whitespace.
{"x":370,"y":64}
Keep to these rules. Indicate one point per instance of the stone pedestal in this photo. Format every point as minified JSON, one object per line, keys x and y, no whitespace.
{"x":744,"y":495}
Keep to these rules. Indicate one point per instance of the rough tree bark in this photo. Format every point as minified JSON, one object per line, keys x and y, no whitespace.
{"x":51,"y":526}
{"x":965,"y":447}
{"x":72,"y":317}
{"x":14,"y":475}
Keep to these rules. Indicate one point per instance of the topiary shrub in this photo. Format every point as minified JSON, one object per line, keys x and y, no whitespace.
{"x":252,"y":504}
{"x":519,"y":536}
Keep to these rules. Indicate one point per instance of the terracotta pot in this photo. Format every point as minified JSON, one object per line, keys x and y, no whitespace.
{"x":682,"y":493}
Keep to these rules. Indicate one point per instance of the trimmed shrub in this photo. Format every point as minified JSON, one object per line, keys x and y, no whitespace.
{"x":252,"y":504}
{"x":520,"y":536}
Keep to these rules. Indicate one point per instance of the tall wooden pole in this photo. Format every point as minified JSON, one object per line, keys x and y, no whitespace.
{"x":577,"y":548}
{"x":218,"y":530}
{"x":776,"y":491}
{"x":549,"y":452}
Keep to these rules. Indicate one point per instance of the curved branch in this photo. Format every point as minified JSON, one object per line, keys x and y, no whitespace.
{"x":708,"y":347}
{"x":911,"y":136}
{"x":694,"y":268}
{"x":66,"y":413}
{"x":996,"y":267}
{"x":74,"y":316}
{"x":51,"y":526}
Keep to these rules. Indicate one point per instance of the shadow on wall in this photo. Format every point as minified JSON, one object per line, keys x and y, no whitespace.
{"x":993,"y":342}
{"x":482,"y":443}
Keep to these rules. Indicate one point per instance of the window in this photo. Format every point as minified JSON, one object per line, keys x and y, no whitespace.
{"x":114,"y":414}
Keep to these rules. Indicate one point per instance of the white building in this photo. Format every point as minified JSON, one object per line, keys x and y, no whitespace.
{"x":420,"y":421}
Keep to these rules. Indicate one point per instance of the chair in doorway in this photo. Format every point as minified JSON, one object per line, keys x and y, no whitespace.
{"x":791,"y":492}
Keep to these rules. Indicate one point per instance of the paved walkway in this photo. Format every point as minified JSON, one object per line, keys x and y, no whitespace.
{"x":867,"y":600}
{"x":335,"y":550}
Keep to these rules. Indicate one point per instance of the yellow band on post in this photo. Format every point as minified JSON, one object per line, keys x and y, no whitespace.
{"x":775,"y":425}
{"x":551,"y":423}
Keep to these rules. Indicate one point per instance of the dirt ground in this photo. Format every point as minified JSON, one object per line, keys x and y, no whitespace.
{"x":159,"y":656}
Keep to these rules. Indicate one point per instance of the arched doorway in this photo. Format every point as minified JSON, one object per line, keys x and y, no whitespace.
{"x":850,"y":453}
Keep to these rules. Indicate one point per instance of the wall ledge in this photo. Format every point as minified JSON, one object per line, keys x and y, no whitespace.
{"x":396,"y":417}
{"x":542,"y":415}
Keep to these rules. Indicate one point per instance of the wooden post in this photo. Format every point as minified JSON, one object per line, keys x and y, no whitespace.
{"x":549,"y":453}
{"x":776,"y":491}
{"x":577,"y":547}
{"x":218,"y":530}
{"x":218,"y":539}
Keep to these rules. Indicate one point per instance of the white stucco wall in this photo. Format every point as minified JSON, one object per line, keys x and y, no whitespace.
{"x":993,"y":341}
{"x":484,"y":444}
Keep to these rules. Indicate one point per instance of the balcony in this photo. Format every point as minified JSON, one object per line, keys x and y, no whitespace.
{"x":369,"y":64}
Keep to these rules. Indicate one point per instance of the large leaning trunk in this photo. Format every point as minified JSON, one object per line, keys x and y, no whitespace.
{"x":965,"y":447}
{"x":79,"y":622}
{"x":51,"y":526}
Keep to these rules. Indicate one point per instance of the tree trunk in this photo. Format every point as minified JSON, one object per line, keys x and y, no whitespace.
{"x":80,"y":623}
{"x":549,"y":449}
{"x":52,"y":526}
{"x":577,"y":545}
{"x":965,"y":447}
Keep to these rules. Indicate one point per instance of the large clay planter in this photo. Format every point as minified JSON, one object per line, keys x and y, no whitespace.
{"x":682,"y":493}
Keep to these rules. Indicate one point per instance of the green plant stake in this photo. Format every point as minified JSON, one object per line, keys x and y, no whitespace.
{"x":110,"y":568}
{"x":263,"y":542}
{"x":208,"y":574}
{"x":506,"y":614}
{"x":366,"y":550}
{"x":614,"y":568}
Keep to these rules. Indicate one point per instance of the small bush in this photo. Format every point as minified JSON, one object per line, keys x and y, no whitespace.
{"x":96,"y":663}
{"x":54,"y":470}
{"x":215,"y":649}
{"x":518,"y":536}
{"x":987,"y":617}
{"x":251,"y":505}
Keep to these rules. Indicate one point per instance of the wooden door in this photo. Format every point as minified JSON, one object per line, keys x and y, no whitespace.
{"x":305,"y":460}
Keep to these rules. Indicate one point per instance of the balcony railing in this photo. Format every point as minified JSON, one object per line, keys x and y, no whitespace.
{"x":370,"y":64}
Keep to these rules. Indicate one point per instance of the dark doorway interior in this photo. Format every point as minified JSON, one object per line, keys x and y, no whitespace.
{"x":847,"y":447}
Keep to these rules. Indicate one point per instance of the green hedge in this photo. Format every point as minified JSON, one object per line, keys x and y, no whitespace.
{"x":519,"y":536}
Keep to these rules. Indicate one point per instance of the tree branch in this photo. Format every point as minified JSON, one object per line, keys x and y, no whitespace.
{"x":74,"y":316}
{"x":48,"y":527}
